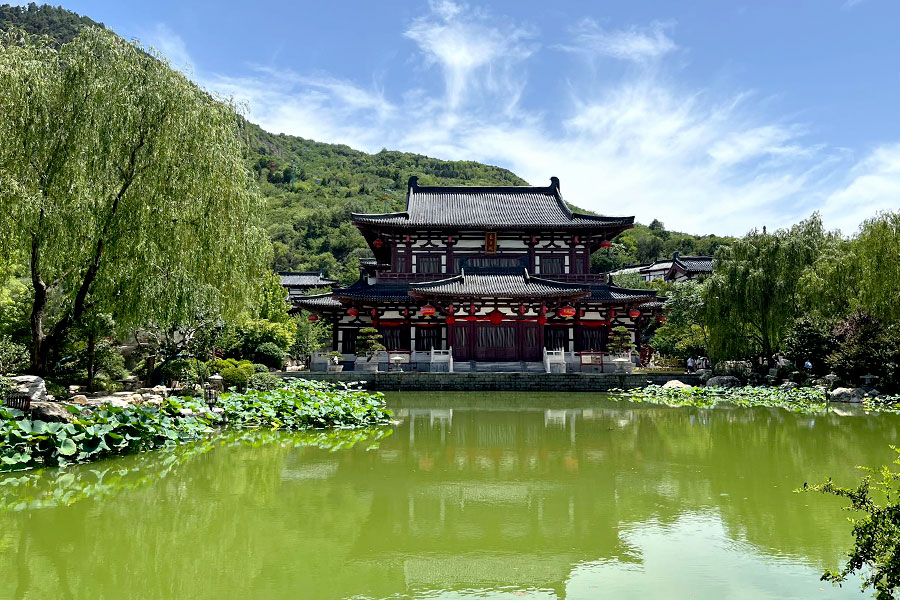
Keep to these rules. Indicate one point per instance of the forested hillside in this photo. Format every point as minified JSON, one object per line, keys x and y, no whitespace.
{"x":310,"y":188}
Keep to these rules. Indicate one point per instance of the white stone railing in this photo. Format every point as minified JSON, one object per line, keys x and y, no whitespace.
{"x":554,"y":357}
{"x":442,"y":357}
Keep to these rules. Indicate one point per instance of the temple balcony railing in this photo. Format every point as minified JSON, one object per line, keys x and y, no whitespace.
{"x":561,"y":277}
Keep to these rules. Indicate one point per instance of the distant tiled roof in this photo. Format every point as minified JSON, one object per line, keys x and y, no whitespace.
{"x":627,"y":270}
{"x":395,"y":291}
{"x":498,"y":285}
{"x":611,"y":294}
{"x":317,"y":302}
{"x":496,"y":207}
{"x":659,"y":265}
{"x":693,"y":265}
{"x":305,"y":279}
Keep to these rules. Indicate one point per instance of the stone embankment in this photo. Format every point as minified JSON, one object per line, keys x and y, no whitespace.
{"x":518,"y":382}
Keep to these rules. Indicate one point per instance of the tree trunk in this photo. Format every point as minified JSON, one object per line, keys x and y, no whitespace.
{"x":92,"y":338}
{"x":39,"y":350}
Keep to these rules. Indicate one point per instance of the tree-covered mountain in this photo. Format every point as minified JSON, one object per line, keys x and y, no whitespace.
{"x":53,"y":21}
{"x":310,"y":188}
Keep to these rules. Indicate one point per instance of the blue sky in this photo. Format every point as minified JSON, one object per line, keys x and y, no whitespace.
{"x":712,"y":116}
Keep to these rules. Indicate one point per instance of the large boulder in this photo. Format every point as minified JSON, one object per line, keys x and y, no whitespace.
{"x":674,"y":384}
{"x":31,"y":385}
{"x":725,"y":381}
{"x":51,"y":412}
{"x":842,"y":394}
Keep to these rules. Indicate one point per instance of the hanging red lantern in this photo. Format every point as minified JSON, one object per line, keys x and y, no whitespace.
{"x":634,"y":313}
{"x":407,"y":238}
{"x":313,"y":318}
{"x":542,"y":320}
{"x":378,"y":243}
{"x":374,"y":313}
{"x":406,"y":312}
{"x":543,"y":309}
{"x":522,"y":309}
{"x":577,"y":240}
{"x":605,"y":244}
{"x":566,"y":312}
{"x":428,"y":310}
{"x":352,"y":311}
{"x":450,"y":320}
{"x":449,"y":239}
{"x":661,"y":319}
{"x":612,"y":313}
{"x":534,"y":239}
{"x":496,"y":317}
{"x":472,"y":309}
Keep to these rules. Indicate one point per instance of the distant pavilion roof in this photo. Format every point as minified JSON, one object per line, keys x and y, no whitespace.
{"x":659,"y":265}
{"x":494,"y":207}
{"x":690,"y":265}
{"x":316,"y":302}
{"x":304,"y":279}
{"x":498,"y":284}
{"x":611,"y":294}
{"x":394,"y":291}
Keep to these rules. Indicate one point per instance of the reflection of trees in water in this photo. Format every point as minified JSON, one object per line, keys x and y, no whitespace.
{"x":514,"y":495}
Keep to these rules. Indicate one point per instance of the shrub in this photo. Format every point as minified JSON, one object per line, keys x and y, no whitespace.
{"x":260,"y":368}
{"x":180,"y":369}
{"x":866,"y":346}
{"x":265,"y":382}
{"x":270,"y":355}
{"x":237,"y":377}
{"x":242,"y":340}
{"x":808,"y":340}
{"x":13,"y":357}
{"x":217,"y":365}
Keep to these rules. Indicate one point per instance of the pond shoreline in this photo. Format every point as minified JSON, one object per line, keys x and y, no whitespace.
{"x":415,"y":381}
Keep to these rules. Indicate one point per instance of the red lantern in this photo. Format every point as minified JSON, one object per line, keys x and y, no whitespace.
{"x":566,"y":312}
{"x":313,"y":318}
{"x":472,"y":309}
{"x":661,"y":319}
{"x":605,"y":244}
{"x":612,"y":313}
{"x":496,"y":317}
{"x":577,"y":240}
{"x":406,"y":312}
{"x":374,"y":313}
{"x":542,"y":320}
{"x":634,"y":313}
{"x":352,"y":311}
{"x":522,"y":309}
{"x":407,"y":238}
{"x":428,"y":310}
{"x":449,"y":239}
{"x":378,"y":243}
{"x":450,"y":320}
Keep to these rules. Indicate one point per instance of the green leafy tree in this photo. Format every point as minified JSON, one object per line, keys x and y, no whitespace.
{"x":620,"y":340}
{"x":876,"y":551}
{"x":124,"y":185}
{"x":753,"y":296}
{"x":809,"y":340}
{"x":368,"y":343}
{"x":311,"y":337}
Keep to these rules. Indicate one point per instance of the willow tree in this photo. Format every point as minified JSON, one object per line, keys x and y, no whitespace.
{"x":122,"y":186}
{"x":753,"y":294}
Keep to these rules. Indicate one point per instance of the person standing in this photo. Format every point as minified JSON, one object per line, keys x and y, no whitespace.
{"x":691,"y":365}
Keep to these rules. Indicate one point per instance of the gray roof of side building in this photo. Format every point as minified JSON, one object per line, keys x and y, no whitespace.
{"x":307,"y":279}
{"x":498,"y":285}
{"x":495,"y":207}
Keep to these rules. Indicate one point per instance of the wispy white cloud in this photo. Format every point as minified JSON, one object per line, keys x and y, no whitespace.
{"x":700,"y":160}
{"x":637,"y":44}
{"x":874,"y":185}
{"x":471,"y":50}
{"x":171,"y":45}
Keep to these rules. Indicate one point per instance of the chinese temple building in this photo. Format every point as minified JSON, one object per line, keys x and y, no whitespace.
{"x":484,"y":274}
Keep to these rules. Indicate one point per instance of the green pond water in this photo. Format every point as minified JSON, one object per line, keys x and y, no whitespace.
{"x":468,"y":496}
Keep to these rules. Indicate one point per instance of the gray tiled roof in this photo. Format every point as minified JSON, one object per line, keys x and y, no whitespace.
{"x":395,"y":291}
{"x":660,"y":265}
{"x":498,"y":285}
{"x":497,"y":207}
{"x":694,"y":264}
{"x":317,"y":302}
{"x":605,"y":293}
{"x":308,"y":279}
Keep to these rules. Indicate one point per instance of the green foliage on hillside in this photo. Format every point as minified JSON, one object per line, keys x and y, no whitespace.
{"x":53,"y":21}
{"x":311,"y":188}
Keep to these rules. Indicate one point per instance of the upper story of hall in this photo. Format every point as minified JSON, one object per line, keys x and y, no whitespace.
{"x":445,"y":229}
